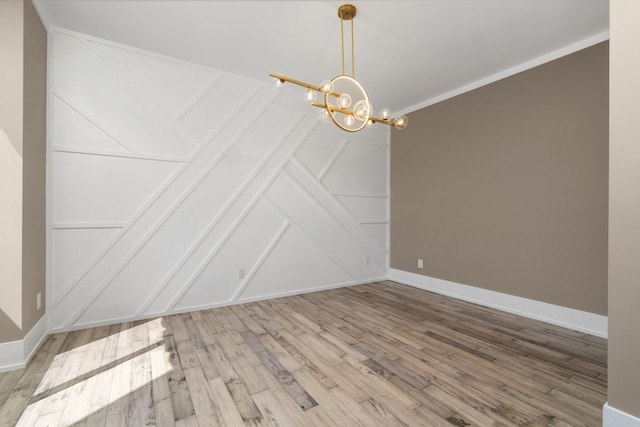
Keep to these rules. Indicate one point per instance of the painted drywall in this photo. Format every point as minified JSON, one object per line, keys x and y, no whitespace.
{"x":624,"y":210}
{"x":505,"y":187}
{"x":11,"y":26}
{"x":34,"y":168}
{"x":22,"y":167}
{"x":11,"y":241}
{"x":176,"y":187}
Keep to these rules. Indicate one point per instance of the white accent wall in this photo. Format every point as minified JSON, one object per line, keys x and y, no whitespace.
{"x":175,"y":187}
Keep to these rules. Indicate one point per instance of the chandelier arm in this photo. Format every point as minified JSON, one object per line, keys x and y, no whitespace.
{"x":351,"y":113}
{"x":294,"y":81}
{"x":385,"y":121}
{"x":300,"y":83}
{"x":333,"y":109}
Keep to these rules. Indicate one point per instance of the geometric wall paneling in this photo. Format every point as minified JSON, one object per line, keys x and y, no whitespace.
{"x":365,"y":208}
{"x":317,"y":151}
{"x":204,"y":202}
{"x":224,"y":226}
{"x":343,"y":218}
{"x":164,"y":195}
{"x":87,"y":82}
{"x":143,"y":226}
{"x":222,"y":183}
{"x":220,"y":280}
{"x":380,"y":231}
{"x":163,"y":252}
{"x":96,"y":189}
{"x":312,"y":218}
{"x":359,"y":170}
{"x":72,"y":130}
{"x":215,"y":104}
{"x":171,"y":84}
{"x":297,"y":263}
{"x":74,"y":251}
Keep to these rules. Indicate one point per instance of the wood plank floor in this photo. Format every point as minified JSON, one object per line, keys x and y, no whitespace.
{"x":380,"y":354}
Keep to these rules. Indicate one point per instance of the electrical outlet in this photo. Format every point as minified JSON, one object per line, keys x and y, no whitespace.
{"x":420,"y":263}
{"x":242,"y":273}
{"x":39,"y":301}
{"x":367,"y":260}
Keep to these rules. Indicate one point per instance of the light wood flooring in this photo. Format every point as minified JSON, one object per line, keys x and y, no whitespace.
{"x":380,"y":354}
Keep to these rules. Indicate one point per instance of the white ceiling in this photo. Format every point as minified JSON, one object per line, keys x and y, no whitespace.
{"x":408,"y":53}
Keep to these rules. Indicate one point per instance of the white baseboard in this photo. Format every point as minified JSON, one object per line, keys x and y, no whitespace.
{"x":594,"y":324}
{"x":189,"y":309}
{"x":612,"y":417}
{"x":309,"y":290}
{"x":16,"y":354}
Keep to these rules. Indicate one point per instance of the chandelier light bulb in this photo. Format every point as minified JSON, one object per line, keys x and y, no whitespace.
{"x":310,"y":95}
{"x":279,"y":83}
{"x":323,"y":115}
{"x":385,"y":113}
{"x":370,"y":123}
{"x":326,"y":86}
{"x":349,"y":120}
{"x":401,"y":122}
{"x":344,"y":101}
{"x":362,"y":110}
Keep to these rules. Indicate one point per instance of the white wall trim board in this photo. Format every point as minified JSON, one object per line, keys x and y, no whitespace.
{"x":578,"y":320}
{"x":567,"y":50}
{"x":16,"y":354}
{"x":612,"y":417}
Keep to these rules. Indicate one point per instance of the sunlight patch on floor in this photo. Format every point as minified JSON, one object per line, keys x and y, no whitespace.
{"x":92,"y":379}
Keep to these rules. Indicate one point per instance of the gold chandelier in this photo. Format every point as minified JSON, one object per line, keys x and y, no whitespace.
{"x":345,"y":99}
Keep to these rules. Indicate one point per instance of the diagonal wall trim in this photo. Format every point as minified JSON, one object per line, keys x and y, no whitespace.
{"x":107,"y":153}
{"x":260,"y":262}
{"x":208,"y":229}
{"x":87,"y":42}
{"x":84,"y":112}
{"x":310,"y":237}
{"x":343,"y":218}
{"x":198,"y":270}
{"x":54,"y":302}
{"x":214,"y":81}
{"x":151,"y":202}
{"x":94,"y":295}
{"x":333,"y":159}
{"x":294,"y":172}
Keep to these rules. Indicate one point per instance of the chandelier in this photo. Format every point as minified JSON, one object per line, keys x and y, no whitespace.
{"x":345,"y":99}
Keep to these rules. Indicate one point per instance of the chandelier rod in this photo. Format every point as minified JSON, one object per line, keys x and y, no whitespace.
{"x":353,"y":52}
{"x":342,"y":41}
